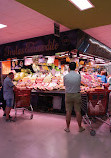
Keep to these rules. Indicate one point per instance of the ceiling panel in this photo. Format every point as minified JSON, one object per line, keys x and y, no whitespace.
{"x":33,"y":18}
{"x":23,"y":22}
{"x":102,"y":34}
{"x":68,"y":15}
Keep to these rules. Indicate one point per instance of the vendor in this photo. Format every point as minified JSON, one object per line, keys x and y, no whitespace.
{"x":81,"y":70}
{"x":103,"y":76}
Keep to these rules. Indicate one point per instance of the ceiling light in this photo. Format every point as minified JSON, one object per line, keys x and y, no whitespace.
{"x":2,"y":26}
{"x":82,"y":4}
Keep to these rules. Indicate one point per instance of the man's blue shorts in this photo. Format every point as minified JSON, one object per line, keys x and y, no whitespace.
{"x":9,"y":102}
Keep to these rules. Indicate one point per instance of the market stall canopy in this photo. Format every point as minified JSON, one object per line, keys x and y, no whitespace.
{"x":50,"y":44}
{"x":89,"y":45}
{"x":45,"y":45}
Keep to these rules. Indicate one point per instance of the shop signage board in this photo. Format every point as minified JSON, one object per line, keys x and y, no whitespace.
{"x":51,"y":44}
{"x":46,"y":45}
{"x":90,"y":46}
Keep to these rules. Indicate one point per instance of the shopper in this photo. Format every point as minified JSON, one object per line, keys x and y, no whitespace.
{"x":8,"y":94}
{"x":72,"y":82}
{"x":2,"y":101}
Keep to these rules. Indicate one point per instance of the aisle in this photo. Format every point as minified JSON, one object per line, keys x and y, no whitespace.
{"x":44,"y":137}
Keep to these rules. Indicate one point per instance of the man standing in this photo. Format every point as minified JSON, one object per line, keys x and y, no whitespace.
{"x":2,"y":101}
{"x":8,"y":94}
{"x":72,"y":82}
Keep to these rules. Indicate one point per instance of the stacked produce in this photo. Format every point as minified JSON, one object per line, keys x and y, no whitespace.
{"x":89,"y":80}
{"x":52,"y":80}
{"x":39,"y":81}
{"x":48,"y":82}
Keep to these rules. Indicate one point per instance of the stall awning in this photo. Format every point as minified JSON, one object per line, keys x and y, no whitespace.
{"x":50,"y":44}
{"x":45,"y":45}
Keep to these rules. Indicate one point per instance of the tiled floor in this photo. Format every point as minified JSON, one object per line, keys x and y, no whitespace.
{"x":44,"y":137}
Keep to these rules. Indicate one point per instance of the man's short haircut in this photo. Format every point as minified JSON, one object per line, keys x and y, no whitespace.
{"x":11,"y":73}
{"x":72,"y":66}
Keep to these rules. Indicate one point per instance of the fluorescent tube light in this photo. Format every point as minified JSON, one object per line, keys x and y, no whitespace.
{"x":2,"y":26}
{"x":82,"y":4}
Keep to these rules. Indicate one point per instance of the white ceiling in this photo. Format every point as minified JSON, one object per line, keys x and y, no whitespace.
{"x":102,"y":34}
{"x":24,"y":23}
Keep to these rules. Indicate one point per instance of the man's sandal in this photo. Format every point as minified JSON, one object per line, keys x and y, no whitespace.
{"x":67,"y":130}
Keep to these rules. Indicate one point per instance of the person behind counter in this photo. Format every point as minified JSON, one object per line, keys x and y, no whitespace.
{"x":103,"y":76}
{"x":72,"y":82}
{"x":81,"y":70}
{"x":8,"y":94}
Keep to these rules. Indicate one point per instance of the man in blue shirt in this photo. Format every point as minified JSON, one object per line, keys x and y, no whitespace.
{"x":8,"y":94}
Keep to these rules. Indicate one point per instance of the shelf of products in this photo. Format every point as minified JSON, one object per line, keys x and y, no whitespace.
{"x":49,"y":72}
